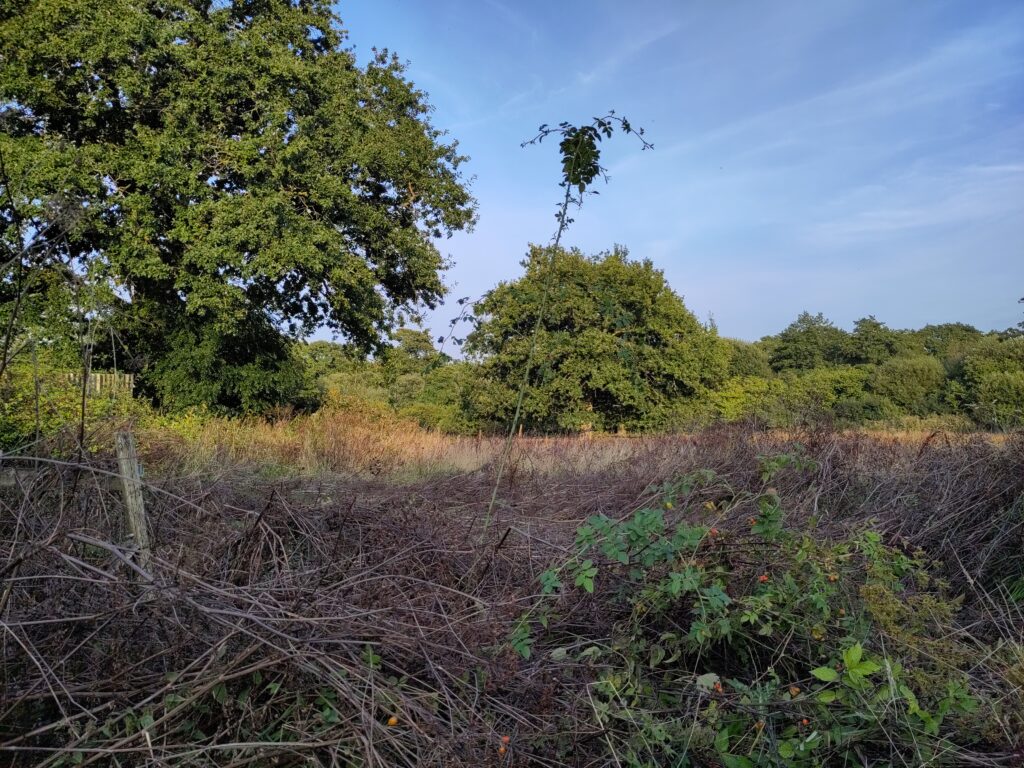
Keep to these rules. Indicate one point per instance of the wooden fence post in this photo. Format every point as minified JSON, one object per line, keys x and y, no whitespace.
{"x":131,"y":482}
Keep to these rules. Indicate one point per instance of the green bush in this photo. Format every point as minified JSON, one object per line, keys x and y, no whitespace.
{"x":810,"y":341}
{"x":746,"y":397}
{"x":914,"y":384}
{"x":864,"y":408}
{"x":813,"y":394}
{"x":772,"y":647}
{"x":57,"y":410}
{"x":614,"y":345}
{"x":999,"y":399}
{"x":748,"y":359}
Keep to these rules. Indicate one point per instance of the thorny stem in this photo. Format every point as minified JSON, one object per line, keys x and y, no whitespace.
{"x":562,"y":216}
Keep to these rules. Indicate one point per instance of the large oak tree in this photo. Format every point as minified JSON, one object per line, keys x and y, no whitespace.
{"x":230,"y":172}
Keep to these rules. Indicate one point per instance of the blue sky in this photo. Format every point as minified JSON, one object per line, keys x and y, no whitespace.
{"x":850,"y":157}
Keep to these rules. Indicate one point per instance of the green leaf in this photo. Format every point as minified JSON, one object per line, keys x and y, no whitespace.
{"x":657,"y":655}
{"x":585,"y":575}
{"x":827,"y":697}
{"x":786,"y":750}
{"x":736,"y":761}
{"x":866,"y":668}
{"x":908,"y":695}
{"x":722,"y":740}
{"x":825,"y":674}
{"x":521,"y":638}
{"x":549,"y":582}
{"x":370,"y":657}
{"x":852,"y":655}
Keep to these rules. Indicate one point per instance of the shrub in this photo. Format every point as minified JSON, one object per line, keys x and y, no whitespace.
{"x":810,"y":341}
{"x":999,"y":399}
{"x":746,"y":397}
{"x":748,"y":359}
{"x":813,"y":394}
{"x":866,"y":407}
{"x":915,"y":384}
{"x":58,"y":409}
{"x":992,"y":375}
{"x":768,"y":648}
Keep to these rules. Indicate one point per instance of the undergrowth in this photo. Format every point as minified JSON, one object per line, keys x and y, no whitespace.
{"x":726,"y":599}
{"x":771,"y":647}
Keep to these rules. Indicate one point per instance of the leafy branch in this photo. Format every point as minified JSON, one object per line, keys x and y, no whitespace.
{"x":581,"y":158}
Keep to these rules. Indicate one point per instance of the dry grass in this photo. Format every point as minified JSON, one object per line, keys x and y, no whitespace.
{"x":289,"y":614}
{"x":356,"y":444}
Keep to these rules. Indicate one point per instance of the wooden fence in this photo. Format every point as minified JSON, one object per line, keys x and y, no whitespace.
{"x":103,"y":382}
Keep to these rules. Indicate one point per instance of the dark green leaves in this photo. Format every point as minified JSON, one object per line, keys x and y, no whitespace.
{"x":229,"y":163}
{"x":615,"y":346}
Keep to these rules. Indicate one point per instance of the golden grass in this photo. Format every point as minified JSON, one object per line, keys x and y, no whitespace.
{"x":362,"y":443}
{"x":367,"y":443}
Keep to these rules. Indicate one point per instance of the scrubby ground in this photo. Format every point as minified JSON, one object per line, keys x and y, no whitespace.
{"x":731,"y":598}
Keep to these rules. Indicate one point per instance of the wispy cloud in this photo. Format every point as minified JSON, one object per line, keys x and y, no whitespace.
{"x":977,"y":57}
{"x":516,"y":19}
{"x":851,"y":156}
{"x":611,"y":62}
{"x":917,"y":202}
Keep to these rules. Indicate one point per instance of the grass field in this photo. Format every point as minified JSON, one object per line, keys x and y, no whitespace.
{"x":338,"y":591}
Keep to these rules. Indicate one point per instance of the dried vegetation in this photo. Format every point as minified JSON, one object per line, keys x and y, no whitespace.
{"x":359,"y":612}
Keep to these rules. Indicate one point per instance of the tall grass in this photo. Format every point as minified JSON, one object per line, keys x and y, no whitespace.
{"x":350,"y":441}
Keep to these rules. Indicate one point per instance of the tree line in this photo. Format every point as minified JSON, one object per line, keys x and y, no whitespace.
{"x":619,"y":350}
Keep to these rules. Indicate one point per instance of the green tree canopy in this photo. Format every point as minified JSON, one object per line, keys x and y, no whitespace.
{"x":947,"y":340}
{"x":915,"y":384}
{"x":873,"y":342}
{"x":748,"y":359}
{"x":810,"y":341}
{"x":231,"y":171}
{"x":615,"y":346}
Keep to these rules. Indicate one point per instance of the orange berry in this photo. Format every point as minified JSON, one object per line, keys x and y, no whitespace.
{"x":763,"y":578}
{"x":713,"y":532}
{"x":794,"y":691}
{"x":752,"y":520}
{"x":759,"y":725}
{"x":506,"y":739}
{"x":392,"y":720}
{"x":805,"y":722}
{"x":718,"y":687}
{"x":833,"y":577}
{"x":502,"y":750}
